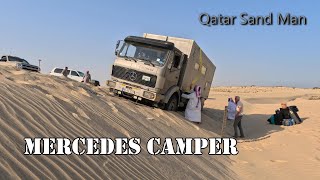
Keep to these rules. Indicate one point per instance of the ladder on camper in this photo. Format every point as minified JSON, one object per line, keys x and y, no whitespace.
{"x":224,"y":120}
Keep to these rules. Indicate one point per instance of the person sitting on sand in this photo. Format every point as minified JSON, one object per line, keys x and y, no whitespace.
{"x":65,"y":72}
{"x":231,"y":109}
{"x":87,"y":77}
{"x":193,"y":109}
{"x":284,"y":111}
{"x":237,"y":121}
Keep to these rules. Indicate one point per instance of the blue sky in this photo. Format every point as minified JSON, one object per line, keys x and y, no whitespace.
{"x":82,"y":34}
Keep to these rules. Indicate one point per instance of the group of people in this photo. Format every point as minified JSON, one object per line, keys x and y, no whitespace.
{"x":286,"y":116}
{"x":193,"y":110}
{"x":86,"y":77}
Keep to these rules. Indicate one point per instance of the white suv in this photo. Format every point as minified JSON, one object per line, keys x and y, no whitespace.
{"x":72,"y":74}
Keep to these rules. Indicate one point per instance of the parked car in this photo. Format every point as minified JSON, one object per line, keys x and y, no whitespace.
{"x":19,"y":63}
{"x":72,"y":74}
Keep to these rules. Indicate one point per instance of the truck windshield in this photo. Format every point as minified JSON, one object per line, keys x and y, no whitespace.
{"x":156,"y":56}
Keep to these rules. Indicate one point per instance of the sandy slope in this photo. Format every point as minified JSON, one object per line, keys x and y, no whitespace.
{"x":269,"y":151}
{"x":36,"y":105}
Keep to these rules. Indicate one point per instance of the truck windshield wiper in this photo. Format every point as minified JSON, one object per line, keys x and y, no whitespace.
{"x":130,"y":58}
{"x":148,"y":61}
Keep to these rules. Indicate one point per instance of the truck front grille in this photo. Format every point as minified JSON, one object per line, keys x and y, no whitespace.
{"x":134,"y":76}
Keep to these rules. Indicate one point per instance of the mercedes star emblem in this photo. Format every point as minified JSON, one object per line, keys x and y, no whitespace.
{"x":133,"y":75}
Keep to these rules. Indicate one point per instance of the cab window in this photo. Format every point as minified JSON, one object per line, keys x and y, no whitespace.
{"x":57,"y":70}
{"x":81,"y":73}
{"x":3,"y":58}
{"x":73,"y":73}
{"x":176,"y":60}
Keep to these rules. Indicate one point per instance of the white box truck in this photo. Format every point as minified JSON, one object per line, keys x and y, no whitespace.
{"x":159,"y":69}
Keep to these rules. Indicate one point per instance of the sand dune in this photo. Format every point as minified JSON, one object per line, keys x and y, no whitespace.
{"x":36,"y":105}
{"x":269,"y":151}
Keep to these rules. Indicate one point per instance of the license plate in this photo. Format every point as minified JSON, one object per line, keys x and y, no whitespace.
{"x":128,"y":90}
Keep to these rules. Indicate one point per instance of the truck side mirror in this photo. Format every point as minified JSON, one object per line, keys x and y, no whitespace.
{"x":118,"y":43}
{"x":116,"y":51}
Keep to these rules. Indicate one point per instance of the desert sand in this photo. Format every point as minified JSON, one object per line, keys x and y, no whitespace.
{"x":39,"y":105}
{"x":271,"y":151}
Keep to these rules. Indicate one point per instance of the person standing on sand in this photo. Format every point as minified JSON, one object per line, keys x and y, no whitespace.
{"x":65,"y":72}
{"x":193,"y":109}
{"x":238,"y":118}
{"x":232,"y":109}
{"x":87,"y":77}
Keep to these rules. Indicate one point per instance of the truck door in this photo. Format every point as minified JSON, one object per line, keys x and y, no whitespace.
{"x":182,"y":69}
{"x":173,"y":73}
{"x":75,"y":76}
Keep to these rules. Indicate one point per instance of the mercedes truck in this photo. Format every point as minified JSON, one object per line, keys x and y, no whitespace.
{"x":159,"y":69}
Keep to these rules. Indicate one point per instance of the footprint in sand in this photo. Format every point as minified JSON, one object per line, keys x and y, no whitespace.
{"x":50,"y":97}
{"x":196,"y":127}
{"x":133,"y":110}
{"x":250,"y":148}
{"x":278,"y":161}
{"x":84,"y":92}
{"x":108,"y":161}
{"x":58,"y":97}
{"x":240,"y":162}
{"x":158,"y":112}
{"x":76,"y":116}
{"x":82,"y":113}
{"x":297,"y":132}
{"x":114,"y":109}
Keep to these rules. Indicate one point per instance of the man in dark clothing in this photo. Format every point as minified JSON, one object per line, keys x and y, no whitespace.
{"x":65,"y":72}
{"x":280,"y":115}
{"x":284,"y":112}
{"x":238,"y":118}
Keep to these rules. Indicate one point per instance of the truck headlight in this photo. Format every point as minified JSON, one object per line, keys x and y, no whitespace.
{"x":111,"y":84}
{"x":148,"y":95}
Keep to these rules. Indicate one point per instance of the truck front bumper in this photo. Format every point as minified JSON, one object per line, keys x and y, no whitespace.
{"x":133,"y":91}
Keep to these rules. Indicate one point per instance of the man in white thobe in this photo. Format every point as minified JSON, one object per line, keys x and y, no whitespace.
{"x":193,"y":109}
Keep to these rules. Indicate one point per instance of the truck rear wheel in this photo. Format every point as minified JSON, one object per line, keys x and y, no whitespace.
{"x":172,"y":104}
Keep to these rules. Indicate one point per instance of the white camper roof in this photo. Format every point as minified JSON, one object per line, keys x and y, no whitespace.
{"x":184,"y":45}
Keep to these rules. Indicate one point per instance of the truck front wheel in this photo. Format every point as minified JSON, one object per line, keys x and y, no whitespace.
{"x":172,"y":104}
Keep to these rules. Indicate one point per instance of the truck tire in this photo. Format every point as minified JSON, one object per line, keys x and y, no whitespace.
{"x":172,"y":104}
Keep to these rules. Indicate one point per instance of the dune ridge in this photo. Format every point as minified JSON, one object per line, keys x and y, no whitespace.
{"x":37,"y":105}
